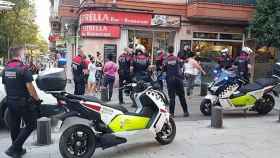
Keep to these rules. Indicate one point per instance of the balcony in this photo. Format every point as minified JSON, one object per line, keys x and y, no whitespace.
{"x":238,"y":12}
{"x":229,"y":2}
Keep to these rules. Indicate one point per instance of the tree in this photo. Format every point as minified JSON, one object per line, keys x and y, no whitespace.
{"x":18,"y":27}
{"x":265,"y":26}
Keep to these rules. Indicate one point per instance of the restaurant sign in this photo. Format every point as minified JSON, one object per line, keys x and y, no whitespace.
{"x":116,"y":18}
{"x":100,"y":31}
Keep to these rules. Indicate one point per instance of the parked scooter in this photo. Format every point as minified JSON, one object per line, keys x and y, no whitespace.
{"x":232,"y":93}
{"x":105,"y":123}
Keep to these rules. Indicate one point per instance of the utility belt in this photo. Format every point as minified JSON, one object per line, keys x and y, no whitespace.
{"x":25,"y":102}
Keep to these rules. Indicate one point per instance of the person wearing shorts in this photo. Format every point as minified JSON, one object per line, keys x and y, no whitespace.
{"x":91,"y":78}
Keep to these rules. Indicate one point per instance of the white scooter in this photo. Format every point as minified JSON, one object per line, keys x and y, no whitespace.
{"x":104,"y":122}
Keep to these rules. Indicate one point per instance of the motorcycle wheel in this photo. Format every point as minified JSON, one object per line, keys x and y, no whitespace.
{"x":168,"y":133}
{"x":205,"y":107}
{"x":77,"y":141}
{"x":265,"y":105}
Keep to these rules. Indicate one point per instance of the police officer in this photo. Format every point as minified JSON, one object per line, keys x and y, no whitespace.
{"x":225,"y":60}
{"x":78,"y":66}
{"x":159,"y":64}
{"x":140,"y":64}
{"x":124,"y":60}
{"x":22,"y":101}
{"x":242,"y":64}
{"x":174,"y":78}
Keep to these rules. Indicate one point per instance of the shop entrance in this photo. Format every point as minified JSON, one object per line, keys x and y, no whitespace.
{"x":151,"y":40}
{"x":213,"y":49}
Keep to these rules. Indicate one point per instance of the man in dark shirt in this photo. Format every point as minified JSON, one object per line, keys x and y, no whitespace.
{"x":22,"y":101}
{"x":78,"y":66}
{"x":174,"y":79}
{"x":124,"y":60}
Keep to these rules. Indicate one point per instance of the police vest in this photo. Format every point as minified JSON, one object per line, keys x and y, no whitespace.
{"x":15,"y":77}
{"x":141,"y":63}
{"x":173,"y":67}
{"x":242,"y":65}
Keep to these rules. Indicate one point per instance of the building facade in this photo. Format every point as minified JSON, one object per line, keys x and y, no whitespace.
{"x":207,"y":26}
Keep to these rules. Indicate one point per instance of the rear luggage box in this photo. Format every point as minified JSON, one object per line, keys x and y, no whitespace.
{"x":52,"y":80}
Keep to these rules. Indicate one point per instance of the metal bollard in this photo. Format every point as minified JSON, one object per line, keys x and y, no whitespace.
{"x":104,"y":94}
{"x":279,"y":116}
{"x":44,"y":131}
{"x":217,"y":117}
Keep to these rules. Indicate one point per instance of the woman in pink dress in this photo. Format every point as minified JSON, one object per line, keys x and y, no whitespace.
{"x":110,"y":70}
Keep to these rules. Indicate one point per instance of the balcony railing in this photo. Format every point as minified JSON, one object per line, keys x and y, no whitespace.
{"x":229,"y":2}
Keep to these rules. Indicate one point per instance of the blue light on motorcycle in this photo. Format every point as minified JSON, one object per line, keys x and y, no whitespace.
{"x":215,"y":71}
{"x":226,"y":78}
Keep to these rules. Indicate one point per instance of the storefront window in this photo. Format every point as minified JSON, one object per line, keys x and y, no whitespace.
{"x":151,"y":40}
{"x":203,"y":35}
{"x":224,"y":36}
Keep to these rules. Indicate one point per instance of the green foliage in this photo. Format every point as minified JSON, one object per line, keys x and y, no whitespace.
{"x":265,"y":26}
{"x":17,"y":27}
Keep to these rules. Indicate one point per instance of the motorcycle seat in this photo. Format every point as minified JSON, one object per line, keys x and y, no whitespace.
{"x":96,"y":100}
{"x":250,"y":87}
{"x":266,"y":81}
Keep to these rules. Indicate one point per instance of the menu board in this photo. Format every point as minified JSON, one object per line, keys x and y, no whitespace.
{"x":110,"y":49}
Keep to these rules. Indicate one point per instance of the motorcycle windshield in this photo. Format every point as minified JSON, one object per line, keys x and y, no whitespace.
{"x":223,"y":76}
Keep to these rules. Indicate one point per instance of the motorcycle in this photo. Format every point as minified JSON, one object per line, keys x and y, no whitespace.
{"x":94,"y":124}
{"x":233,"y":93}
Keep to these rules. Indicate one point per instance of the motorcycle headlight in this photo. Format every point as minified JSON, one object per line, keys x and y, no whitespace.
{"x":214,"y":89}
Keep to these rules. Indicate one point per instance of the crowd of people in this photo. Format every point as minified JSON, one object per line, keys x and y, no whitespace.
{"x":92,"y":73}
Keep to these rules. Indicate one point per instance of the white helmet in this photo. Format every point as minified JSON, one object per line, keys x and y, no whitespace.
{"x":247,"y":50}
{"x":226,"y":50}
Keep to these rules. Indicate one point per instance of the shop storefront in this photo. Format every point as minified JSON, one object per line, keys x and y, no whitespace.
{"x":100,"y":30}
{"x":210,"y":44}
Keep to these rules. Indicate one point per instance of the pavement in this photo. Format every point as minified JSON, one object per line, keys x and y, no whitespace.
{"x":243,"y":136}
{"x":251,"y":137}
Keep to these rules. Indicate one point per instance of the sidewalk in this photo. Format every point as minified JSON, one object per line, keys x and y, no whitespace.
{"x":256,"y":137}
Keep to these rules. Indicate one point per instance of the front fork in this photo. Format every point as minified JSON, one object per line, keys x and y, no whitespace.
{"x":212,"y":98}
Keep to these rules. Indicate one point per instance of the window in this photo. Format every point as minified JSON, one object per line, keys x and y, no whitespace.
{"x":224,"y":36}
{"x":204,"y":35}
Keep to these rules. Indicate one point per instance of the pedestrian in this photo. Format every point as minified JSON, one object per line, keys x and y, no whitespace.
{"x":78,"y":67}
{"x":22,"y":101}
{"x":183,"y":54}
{"x":86,"y":73}
{"x":92,"y":79}
{"x":125,"y":60}
{"x":242,"y":64}
{"x":99,"y":73}
{"x":141,"y":65}
{"x":159,"y":64}
{"x":174,"y":78}
{"x":192,"y":68}
{"x":110,"y":69}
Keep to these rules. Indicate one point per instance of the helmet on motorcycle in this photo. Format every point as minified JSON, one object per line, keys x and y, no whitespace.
{"x":247,"y":50}
{"x":225,"y":51}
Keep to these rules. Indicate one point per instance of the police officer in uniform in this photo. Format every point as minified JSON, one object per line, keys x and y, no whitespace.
{"x":124,"y":60}
{"x":159,"y":63}
{"x":140,"y":64}
{"x":174,"y":78}
{"x":242,"y":64}
{"x":22,"y":101}
{"x":78,"y":66}
{"x":225,"y":60}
